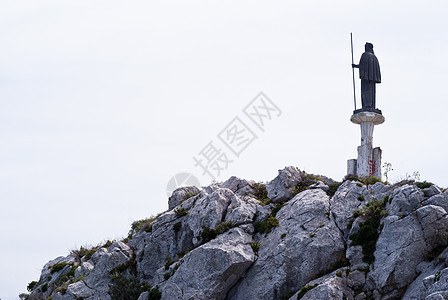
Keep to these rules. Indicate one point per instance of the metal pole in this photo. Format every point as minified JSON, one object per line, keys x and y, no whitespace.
{"x":353,"y":71}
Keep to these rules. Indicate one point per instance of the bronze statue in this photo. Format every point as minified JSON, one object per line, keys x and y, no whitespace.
{"x":369,"y":72}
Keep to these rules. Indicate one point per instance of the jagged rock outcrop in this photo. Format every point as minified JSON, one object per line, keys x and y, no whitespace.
{"x":304,"y":227}
{"x":281,"y":188}
{"x":312,"y":240}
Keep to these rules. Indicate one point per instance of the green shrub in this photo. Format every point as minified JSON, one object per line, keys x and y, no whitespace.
{"x":191,"y":194}
{"x":332,"y":188}
{"x":24,"y":296}
{"x":267,"y":225}
{"x":181,"y":211}
{"x":177,"y":226}
{"x":31,"y":286}
{"x":208,"y":234}
{"x":59,"y":266}
{"x":424,"y":184}
{"x":167,"y":275}
{"x":255,"y":246}
{"x":130,"y":266}
{"x":350,"y":224}
{"x":223,"y":227}
{"x":126,"y":288}
{"x":307,"y":180}
{"x":369,"y":180}
{"x":181,"y":254}
{"x":361,"y":198}
{"x":261,"y":193}
{"x":366,"y":269}
{"x":351,"y":178}
{"x":368,"y":234}
{"x":154,"y":294}
{"x":44,"y":288}
{"x":141,"y":225}
{"x":283,"y":236}
{"x":305,"y":289}
{"x":275,"y":209}
{"x":69,"y":275}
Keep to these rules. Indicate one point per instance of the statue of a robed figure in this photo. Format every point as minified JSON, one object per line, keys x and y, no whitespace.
{"x":369,"y":72}
{"x":368,"y":162}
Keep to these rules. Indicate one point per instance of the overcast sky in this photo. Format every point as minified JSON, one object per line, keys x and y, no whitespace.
{"x":102,"y":102}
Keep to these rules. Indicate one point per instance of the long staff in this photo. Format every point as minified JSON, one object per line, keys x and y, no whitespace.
{"x":353,"y":71}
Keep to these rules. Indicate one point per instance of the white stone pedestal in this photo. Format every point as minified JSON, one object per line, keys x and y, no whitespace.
{"x":369,"y":158}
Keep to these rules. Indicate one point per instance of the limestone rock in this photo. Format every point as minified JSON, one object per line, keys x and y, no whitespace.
{"x":320,"y":185}
{"x":405,"y":200}
{"x":222,"y":243}
{"x":181,"y":194}
{"x":431,"y":191}
{"x":332,"y":288}
{"x":105,"y":260}
{"x":241,"y":210}
{"x":350,"y":197}
{"x":210,"y":270}
{"x":439,"y":200}
{"x":304,"y":227}
{"x":207,"y":210}
{"x":239,"y":186}
{"x":402,"y":245}
{"x":281,"y":188}
{"x":443,"y":295}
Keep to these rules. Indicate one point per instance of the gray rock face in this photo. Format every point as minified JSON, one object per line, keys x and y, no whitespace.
{"x":402,"y":245}
{"x":333,"y":287}
{"x":281,"y":188}
{"x":438,"y":200}
{"x":210,"y":270}
{"x":350,"y":197}
{"x":222,"y":243}
{"x":180,"y":195}
{"x":239,"y":186}
{"x":304,"y":227}
{"x":431,"y":191}
{"x":320,"y":185}
{"x":405,"y":200}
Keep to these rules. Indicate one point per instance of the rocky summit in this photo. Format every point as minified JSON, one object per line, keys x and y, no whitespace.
{"x":300,"y":236}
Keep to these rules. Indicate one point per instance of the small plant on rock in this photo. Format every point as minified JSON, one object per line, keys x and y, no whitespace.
{"x":305,"y":289}
{"x":181,"y":211}
{"x":255,"y":246}
{"x":368,"y":230}
{"x":31,"y":286}
{"x":332,"y":188}
{"x":267,"y":225}
{"x":424,"y":184}
{"x":261,"y":193}
{"x":177,"y":226}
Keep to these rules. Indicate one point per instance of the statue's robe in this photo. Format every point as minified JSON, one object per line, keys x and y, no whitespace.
{"x":369,"y":72}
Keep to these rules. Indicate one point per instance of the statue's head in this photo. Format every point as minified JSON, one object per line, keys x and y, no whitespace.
{"x":369,"y":47}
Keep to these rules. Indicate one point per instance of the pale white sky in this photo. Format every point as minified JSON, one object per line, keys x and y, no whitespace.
{"x":102,"y":102}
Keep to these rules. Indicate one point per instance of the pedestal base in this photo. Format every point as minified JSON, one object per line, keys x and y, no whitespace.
{"x":369,"y":158}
